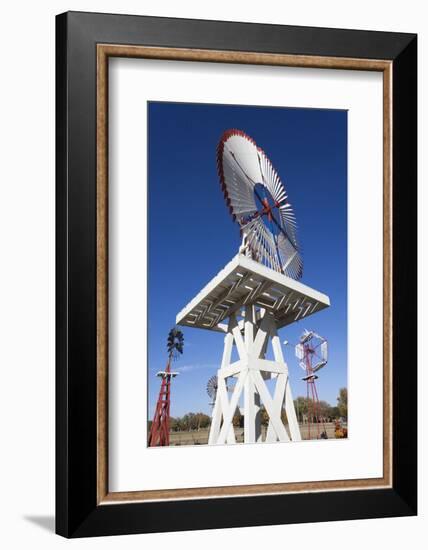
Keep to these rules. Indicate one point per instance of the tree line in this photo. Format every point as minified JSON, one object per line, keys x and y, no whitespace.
{"x":189,"y":422}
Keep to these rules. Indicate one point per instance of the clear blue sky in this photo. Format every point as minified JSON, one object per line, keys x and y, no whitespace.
{"x":192,"y":235}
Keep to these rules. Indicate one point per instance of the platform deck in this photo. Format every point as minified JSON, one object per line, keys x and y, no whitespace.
{"x":242,"y":282}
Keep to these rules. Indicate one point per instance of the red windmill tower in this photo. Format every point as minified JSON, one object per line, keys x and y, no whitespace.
{"x":159,"y":432}
{"x":313,"y":355}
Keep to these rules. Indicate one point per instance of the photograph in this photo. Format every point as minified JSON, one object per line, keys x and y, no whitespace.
{"x":247,"y":274}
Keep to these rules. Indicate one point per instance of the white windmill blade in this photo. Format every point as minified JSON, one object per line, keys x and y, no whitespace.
{"x":316,"y":335}
{"x":271,"y":178}
{"x":262,"y":243}
{"x":289,"y":222}
{"x":306,"y":336}
{"x":240,"y":189}
{"x":258,"y":201}
{"x":324,"y":351}
{"x":299,"y":351}
{"x":319,"y":366}
{"x":292,"y":264}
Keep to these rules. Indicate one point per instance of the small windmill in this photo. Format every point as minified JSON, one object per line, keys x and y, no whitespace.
{"x":212,"y":387}
{"x":159,"y":432}
{"x":312,"y":352}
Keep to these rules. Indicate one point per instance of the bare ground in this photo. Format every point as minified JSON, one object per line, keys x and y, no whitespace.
{"x":201,"y":437}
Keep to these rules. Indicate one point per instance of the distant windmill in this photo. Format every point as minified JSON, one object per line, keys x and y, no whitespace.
{"x":312,"y":352}
{"x":159,"y":432}
{"x":212,"y":387}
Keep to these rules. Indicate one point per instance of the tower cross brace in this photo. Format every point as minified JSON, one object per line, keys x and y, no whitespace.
{"x":251,"y":372}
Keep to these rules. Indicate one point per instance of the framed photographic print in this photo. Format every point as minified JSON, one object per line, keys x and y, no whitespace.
{"x":236,"y":274}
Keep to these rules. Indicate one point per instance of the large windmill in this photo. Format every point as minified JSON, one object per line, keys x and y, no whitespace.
{"x":255,"y":294}
{"x":159,"y":431}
